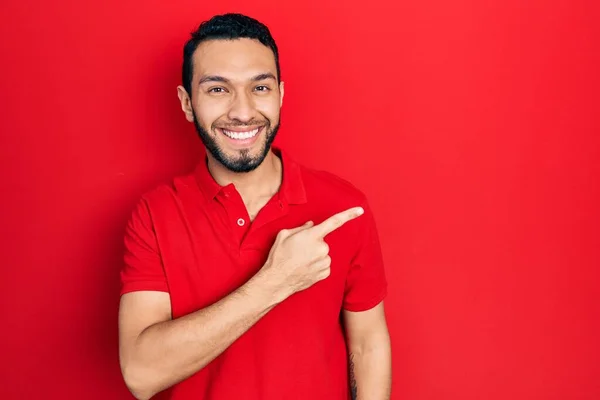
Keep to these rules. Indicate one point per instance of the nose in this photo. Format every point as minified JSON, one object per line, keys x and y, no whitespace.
{"x":242,"y":108}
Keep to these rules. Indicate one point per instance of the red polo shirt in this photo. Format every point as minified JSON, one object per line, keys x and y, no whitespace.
{"x":193,"y":238}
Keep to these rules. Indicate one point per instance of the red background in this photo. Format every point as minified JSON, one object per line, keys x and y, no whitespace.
{"x":471,"y":125}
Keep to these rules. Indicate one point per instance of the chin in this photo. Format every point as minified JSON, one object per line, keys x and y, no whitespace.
{"x":244,"y":160}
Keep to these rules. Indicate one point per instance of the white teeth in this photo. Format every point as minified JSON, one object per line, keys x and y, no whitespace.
{"x":241,"y":135}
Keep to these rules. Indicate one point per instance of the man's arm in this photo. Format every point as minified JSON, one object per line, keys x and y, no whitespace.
{"x":157,"y":352}
{"x":370,"y":365}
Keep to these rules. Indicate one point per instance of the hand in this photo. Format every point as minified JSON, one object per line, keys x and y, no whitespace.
{"x":299,"y":258}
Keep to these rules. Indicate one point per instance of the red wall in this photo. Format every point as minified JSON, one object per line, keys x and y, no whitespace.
{"x":471,"y":125}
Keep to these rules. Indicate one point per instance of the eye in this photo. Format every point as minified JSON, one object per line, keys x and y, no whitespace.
{"x":216,"y":90}
{"x":262,"y":88}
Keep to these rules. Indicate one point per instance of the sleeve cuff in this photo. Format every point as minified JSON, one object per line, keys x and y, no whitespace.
{"x":366,"y":305}
{"x":142,"y":286}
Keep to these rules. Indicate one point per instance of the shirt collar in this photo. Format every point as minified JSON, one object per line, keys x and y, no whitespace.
{"x":292,"y":186}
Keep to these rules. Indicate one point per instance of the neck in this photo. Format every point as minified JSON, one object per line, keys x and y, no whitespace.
{"x":263,"y":181}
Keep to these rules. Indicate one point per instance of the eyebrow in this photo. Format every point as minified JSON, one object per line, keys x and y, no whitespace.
{"x":217,"y":78}
{"x":262,"y":77}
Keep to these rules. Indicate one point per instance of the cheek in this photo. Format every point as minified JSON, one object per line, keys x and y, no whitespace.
{"x":208,"y":112}
{"x":269,"y":108}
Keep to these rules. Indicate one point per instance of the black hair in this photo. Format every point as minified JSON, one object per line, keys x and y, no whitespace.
{"x":228,"y":27}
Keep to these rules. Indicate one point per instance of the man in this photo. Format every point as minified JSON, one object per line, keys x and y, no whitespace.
{"x":253,"y":277}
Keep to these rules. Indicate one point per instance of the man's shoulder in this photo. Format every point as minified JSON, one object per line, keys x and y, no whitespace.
{"x":330,"y":193}
{"x":319,"y":182}
{"x":169,"y":191}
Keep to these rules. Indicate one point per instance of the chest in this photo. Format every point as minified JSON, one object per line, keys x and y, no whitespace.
{"x":210,"y":251}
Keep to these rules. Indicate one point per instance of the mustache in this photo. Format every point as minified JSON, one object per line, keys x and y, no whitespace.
{"x":243,"y":124}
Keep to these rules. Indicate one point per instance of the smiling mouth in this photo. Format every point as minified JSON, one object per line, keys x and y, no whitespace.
{"x":241,"y":134}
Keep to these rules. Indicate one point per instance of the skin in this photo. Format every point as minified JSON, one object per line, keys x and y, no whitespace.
{"x":235,"y":88}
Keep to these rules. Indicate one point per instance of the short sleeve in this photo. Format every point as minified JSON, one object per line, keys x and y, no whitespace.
{"x":366,"y":284}
{"x":142,"y":268}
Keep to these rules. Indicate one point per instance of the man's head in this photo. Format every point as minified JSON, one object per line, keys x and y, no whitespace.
{"x":232,"y":89}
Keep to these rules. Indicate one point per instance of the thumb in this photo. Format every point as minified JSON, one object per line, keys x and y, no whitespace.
{"x":306,"y":225}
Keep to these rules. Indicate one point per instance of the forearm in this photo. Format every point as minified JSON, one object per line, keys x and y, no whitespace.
{"x":171,"y":351}
{"x":370,"y":370}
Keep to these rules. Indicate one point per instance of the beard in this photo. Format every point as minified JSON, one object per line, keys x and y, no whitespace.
{"x":244,"y":162}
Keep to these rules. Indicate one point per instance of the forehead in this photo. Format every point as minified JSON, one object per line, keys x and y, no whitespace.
{"x":233,"y":59}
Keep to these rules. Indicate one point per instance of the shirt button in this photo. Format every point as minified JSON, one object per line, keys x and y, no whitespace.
{"x":241,"y":222}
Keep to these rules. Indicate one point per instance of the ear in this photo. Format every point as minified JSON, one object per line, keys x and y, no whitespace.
{"x":186,"y":103}
{"x":281,"y":92}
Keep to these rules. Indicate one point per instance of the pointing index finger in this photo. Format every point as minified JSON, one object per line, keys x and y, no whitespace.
{"x":336,"y":221}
